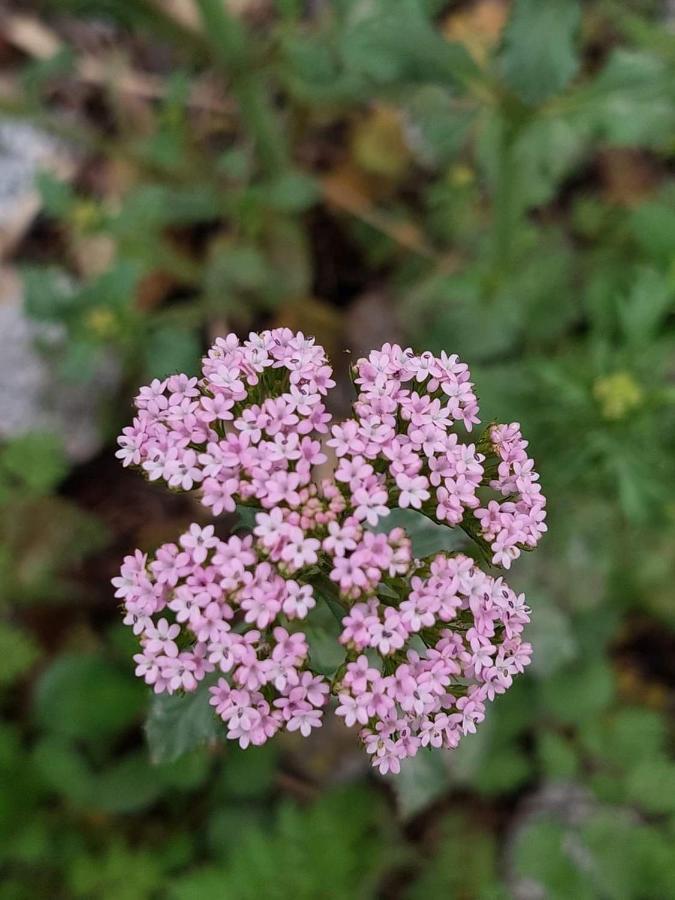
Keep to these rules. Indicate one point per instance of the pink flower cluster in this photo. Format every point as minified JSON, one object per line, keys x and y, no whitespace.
{"x":399,"y":450}
{"x":246,"y":430}
{"x":222,"y":601}
{"x":519,"y":521}
{"x":427,"y":642}
{"x":471,"y":648}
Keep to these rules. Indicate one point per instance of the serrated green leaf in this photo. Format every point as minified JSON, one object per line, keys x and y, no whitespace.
{"x":630,"y":102}
{"x":539,"y":56}
{"x":421,"y":781}
{"x":389,"y":41}
{"x":178,"y":723}
{"x":426,"y":535}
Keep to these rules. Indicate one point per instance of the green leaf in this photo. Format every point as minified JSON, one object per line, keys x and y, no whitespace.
{"x":421,"y":781}
{"x":653,"y":227}
{"x":115,"y":873}
{"x":63,"y":769}
{"x":170,"y":349}
{"x":552,"y":639}
{"x":48,"y":292}
{"x":541,"y":856}
{"x":630,"y":103}
{"x":128,"y":785}
{"x":56,"y":194}
{"x":463,"y":865}
{"x":504,"y":769}
{"x":556,"y":756}
{"x":85,"y":697}
{"x":18,"y":652}
{"x":579,"y":692}
{"x":628,"y":858}
{"x":177,"y":723}
{"x":152,"y":207}
{"x":426,"y":535}
{"x":390,"y":41}
{"x":336,"y":848}
{"x":292,"y":192}
{"x":35,"y":461}
{"x":649,"y":301}
{"x":439,"y":126}
{"x":539,"y":56}
{"x":249,"y":774}
{"x":651,"y":785}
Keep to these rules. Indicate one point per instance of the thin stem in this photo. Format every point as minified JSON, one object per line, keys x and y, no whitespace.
{"x":232,"y":50}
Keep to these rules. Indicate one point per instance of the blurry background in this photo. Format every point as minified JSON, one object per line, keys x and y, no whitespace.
{"x":489,"y":178}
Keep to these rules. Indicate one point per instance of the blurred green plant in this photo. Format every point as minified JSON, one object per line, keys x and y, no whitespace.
{"x":509,"y":179}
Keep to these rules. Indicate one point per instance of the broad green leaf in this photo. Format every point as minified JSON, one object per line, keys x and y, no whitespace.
{"x":128,"y":785}
{"x":650,"y":785}
{"x":629,"y":735}
{"x":577,"y":693}
{"x":552,"y":639}
{"x":439,"y":125}
{"x":631,"y":101}
{"x":389,"y":41}
{"x":62,"y":769}
{"x":177,"y":723}
{"x":421,"y":781}
{"x":170,"y":349}
{"x":36,"y":461}
{"x":556,"y":756}
{"x":504,"y":769}
{"x":539,"y":56}
{"x":86,"y":698}
{"x":628,"y":858}
{"x":155,"y":206}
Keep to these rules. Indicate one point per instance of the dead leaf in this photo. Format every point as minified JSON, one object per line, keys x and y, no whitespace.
{"x":479,"y":27}
{"x":628,"y":176}
{"x":379,"y":145}
{"x":347,"y":188}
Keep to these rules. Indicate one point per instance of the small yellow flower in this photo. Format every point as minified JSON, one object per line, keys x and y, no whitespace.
{"x":461,"y":175}
{"x":618,"y":395}
{"x":101,"y":322}
{"x":85,"y":216}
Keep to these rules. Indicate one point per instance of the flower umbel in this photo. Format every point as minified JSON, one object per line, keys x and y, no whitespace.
{"x":427,"y":642}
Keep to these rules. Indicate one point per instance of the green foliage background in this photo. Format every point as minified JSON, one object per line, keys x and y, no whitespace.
{"x":501,"y":177}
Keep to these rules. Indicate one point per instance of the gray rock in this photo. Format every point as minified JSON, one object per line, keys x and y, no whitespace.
{"x":32,"y":396}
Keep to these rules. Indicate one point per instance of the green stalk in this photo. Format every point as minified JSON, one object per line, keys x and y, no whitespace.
{"x":231,"y":46}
